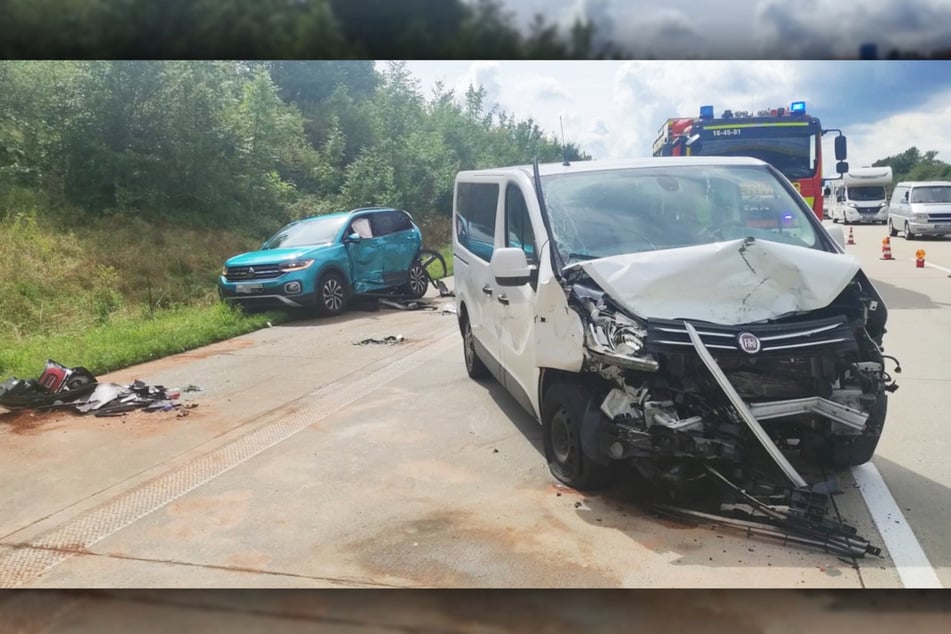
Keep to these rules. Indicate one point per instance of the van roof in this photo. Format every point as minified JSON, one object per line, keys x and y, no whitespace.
{"x":546,"y":169}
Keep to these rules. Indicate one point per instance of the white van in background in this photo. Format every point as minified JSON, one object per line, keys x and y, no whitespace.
{"x":920,"y":208}
{"x":860,"y":196}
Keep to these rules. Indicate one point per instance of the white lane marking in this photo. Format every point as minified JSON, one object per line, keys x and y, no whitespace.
{"x":911,"y":563}
{"x":935,"y":266}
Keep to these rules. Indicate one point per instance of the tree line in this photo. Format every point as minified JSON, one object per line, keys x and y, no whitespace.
{"x":267,"y":29}
{"x":249,"y":144}
{"x":915,"y":165}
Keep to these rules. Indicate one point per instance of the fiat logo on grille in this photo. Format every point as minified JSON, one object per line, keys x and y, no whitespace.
{"x":749,"y":343}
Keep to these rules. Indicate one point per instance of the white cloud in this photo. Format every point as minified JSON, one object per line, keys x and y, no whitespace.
{"x":928,"y":128}
{"x":486,"y":75}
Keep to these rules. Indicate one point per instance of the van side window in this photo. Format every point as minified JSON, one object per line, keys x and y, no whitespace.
{"x":476,"y":205}
{"x":518,"y":226}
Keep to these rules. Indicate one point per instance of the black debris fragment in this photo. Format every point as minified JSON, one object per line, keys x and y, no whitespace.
{"x":407,"y":304}
{"x":79,"y":390}
{"x":389,"y":340}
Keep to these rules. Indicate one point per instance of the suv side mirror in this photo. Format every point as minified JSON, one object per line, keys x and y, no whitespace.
{"x":353,"y":237}
{"x":509,"y":267}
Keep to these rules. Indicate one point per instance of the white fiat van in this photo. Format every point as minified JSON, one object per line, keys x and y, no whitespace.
{"x":668,"y":313}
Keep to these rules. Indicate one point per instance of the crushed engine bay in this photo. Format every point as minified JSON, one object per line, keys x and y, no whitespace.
{"x":710,"y":413}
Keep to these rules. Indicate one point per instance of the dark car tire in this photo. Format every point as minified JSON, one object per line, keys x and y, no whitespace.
{"x":333,"y":295}
{"x":850,"y":452}
{"x":563,"y":409}
{"x":418,"y":280}
{"x":892,"y":232}
{"x":475,"y":368}
{"x":908,"y":234}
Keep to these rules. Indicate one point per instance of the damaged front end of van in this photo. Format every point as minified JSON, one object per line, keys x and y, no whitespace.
{"x":715,"y":365}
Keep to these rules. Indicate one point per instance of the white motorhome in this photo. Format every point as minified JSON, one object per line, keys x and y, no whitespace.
{"x":860,"y":196}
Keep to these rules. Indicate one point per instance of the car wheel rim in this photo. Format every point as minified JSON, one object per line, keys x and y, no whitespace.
{"x":563,"y":440}
{"x":467,"y":346}
{"x":333,"y":294}
{"x":417,"y":279}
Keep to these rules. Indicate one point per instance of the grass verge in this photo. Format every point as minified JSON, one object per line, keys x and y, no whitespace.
{"x":129,"y":339}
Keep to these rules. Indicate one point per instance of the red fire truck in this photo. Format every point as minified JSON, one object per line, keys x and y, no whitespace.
{"x":789,"y":139}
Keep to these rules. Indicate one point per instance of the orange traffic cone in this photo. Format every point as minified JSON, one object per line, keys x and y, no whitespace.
{"x":851,"y":237}
{"x":887,"y":249}
{"x":920,"y":258}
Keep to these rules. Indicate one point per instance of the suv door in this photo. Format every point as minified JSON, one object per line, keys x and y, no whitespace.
{"x":516,"y":304}
{"x":477,"y":209}
{"x":366,"y":255}
{"x":399,"y":247}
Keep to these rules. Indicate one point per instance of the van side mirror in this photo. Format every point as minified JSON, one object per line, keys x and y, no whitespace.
{"x":510,"y":267}
{"x":841,"y":149}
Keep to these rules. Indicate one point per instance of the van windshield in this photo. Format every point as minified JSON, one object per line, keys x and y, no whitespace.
{"x":611,"y":212}
{"x":866,"y":193}
{"x":931,"y":194}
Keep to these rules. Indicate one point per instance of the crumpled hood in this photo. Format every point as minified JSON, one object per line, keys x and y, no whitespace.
{"x":274,"y":256}
{"x":728,"y":283}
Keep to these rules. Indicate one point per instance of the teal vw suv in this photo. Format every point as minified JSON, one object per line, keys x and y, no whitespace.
{"x":321,"y":262}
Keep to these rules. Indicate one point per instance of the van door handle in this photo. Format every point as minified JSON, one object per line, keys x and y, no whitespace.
{"x":503,"y":300}
{"x":487,"y":289}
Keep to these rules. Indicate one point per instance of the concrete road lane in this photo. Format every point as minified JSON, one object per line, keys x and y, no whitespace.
{"x":317,"y":463}
{"x":913,"y":454}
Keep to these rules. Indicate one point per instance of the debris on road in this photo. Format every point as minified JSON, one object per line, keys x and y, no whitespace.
{"x":449,"y":309}
{"x":406,"y":304}
{"x":390,"y":340}
{"x":77,"y":389}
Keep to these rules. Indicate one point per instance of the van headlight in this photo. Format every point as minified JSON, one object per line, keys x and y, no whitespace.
{"x":921,"y":217}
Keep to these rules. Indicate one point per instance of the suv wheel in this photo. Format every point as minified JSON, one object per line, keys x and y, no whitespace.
{"x":563,"y":409}
{"x":332,"y":294}
{"x":418,"y":282}
{"x":475,"y":368}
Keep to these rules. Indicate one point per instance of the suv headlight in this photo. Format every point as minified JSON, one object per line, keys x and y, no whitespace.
{"x":296,"y":265}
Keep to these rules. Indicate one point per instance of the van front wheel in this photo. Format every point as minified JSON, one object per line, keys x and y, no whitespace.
{"x":563,"y":409}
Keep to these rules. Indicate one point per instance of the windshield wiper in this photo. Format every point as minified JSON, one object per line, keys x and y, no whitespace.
{"x":582,"y":256}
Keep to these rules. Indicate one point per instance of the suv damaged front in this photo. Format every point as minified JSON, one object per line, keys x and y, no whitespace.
{"x":726,"y":337}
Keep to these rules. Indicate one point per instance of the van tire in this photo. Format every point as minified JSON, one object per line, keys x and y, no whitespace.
{"x":475,"y":368}
{"x":892,"y":232}
{"x":908,"y":234}
{"x":843,"y":453}
{"x":563,"y":410}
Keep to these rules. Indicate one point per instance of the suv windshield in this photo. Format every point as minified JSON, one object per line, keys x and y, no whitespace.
{"x":307,"y":233}
{"x":866,"y":193}
{"x":931,"y":194}
{"x":611,"y":212}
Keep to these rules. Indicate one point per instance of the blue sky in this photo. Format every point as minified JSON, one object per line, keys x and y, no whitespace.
{"x":754,"y":29}
{"x":615,"y":108}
